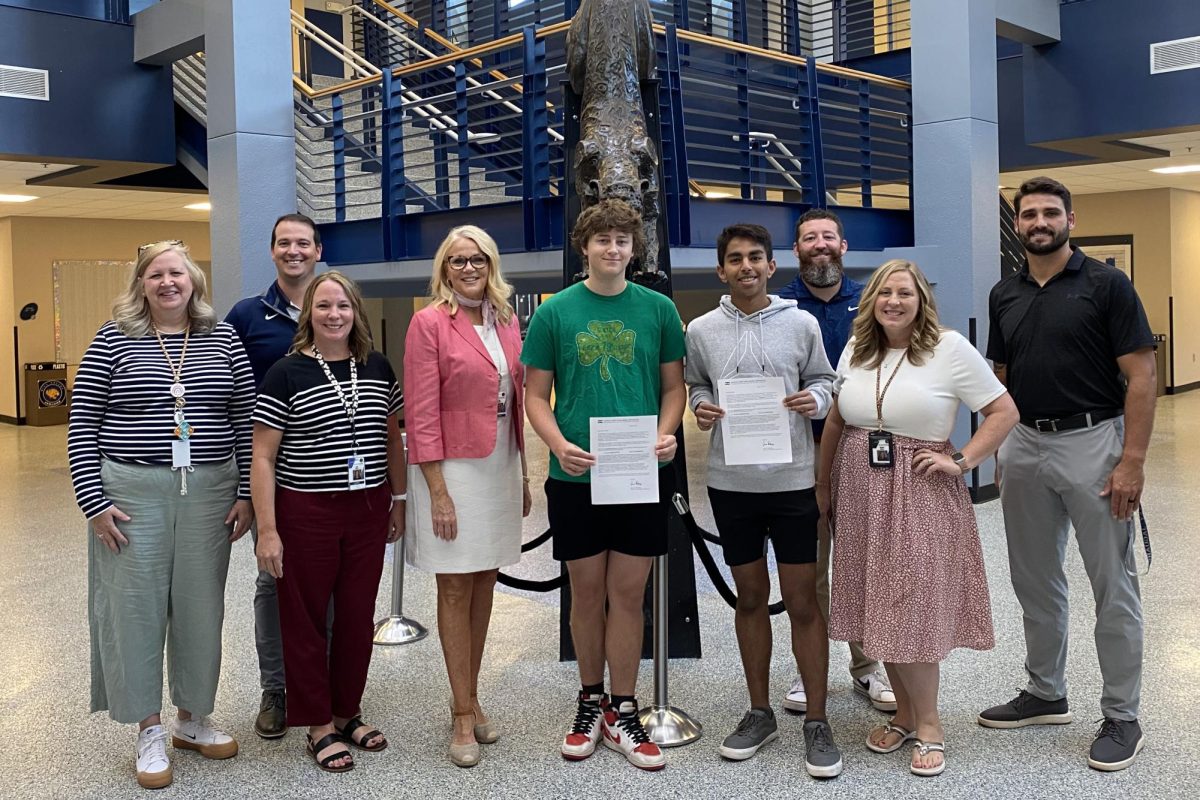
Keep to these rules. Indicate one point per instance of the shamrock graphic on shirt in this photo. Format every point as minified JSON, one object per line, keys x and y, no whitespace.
{"x":605,"y":340}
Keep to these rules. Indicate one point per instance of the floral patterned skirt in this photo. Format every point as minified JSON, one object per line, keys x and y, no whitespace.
{"x":908,"y":579}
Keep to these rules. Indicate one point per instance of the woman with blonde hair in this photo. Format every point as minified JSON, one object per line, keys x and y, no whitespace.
{"x":465,"y":387}
{"x":328,"y":481}
{"x":159,"y":447}
{"x":908,"y":578}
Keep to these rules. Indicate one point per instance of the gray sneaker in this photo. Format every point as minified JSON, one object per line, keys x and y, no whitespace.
{"x":1117,"y":744}
{"x":756,"y":729}
{"x":822,"y":758}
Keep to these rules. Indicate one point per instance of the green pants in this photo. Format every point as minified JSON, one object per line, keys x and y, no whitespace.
{"x":166,"y":586}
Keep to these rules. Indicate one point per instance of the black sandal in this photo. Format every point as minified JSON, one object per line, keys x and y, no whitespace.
{"x":326,"y":741}
{"x":353,"y":724}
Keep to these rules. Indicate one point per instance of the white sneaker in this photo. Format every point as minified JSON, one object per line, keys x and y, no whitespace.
{"x":797,"y":698}
{"x":153,"y":766}
{"x":878,"y":689}
{"x":199,"y":734}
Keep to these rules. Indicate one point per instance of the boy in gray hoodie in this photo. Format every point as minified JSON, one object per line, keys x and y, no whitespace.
{"x":751,"y":334}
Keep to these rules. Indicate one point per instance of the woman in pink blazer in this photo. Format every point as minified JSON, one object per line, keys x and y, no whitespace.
{"x":468,"y":489}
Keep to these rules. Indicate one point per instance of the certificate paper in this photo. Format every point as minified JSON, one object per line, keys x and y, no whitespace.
{"x":756,"y":428}
{"x":626,"y":470}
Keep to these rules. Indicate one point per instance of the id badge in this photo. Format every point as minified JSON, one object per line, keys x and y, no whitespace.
{"x":502,"y":404}
{"x":356,"y":472}
{"x":181,"y":454}
{"x":879,"y":449}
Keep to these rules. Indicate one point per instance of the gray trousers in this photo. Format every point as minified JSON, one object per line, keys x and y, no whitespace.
{"x":268,"y":639}
{"x":167,"y":585}
{"x":1051,"y":482}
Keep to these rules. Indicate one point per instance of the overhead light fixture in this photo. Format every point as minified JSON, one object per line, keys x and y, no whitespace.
{"x":17,"y":198}
{"x":1177,"y":170}
{"x":713,"y":195}
{"x":205,"y":206}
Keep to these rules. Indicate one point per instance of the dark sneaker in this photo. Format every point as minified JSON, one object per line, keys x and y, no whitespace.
{"x":756,"y":729}
{"x":1026,"y":709}
{"x":822,"y":758}
{"x":624,"y":733}
{"x":580,"y":741}
{"x":1117,"y":744}
{"x":271,"y":722}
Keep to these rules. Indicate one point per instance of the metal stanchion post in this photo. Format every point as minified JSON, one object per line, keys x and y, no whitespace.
{"x":667,"y":726}
{"x":397,"y":628}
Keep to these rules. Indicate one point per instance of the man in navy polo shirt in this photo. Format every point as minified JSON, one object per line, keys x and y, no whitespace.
{"x":824,"y":290}
{"x":266,"y":324}
{"x":1070,"y":339}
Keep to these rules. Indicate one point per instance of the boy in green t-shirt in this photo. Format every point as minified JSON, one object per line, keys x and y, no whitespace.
{"x":606,"y":347}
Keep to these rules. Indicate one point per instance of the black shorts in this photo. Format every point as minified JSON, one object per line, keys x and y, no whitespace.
{"x":745,"y":520}
{"x":581,"y":529}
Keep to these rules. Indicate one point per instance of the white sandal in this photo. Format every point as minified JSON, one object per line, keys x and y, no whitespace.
{"x":923,"y":749}
{"x":888,"y":729}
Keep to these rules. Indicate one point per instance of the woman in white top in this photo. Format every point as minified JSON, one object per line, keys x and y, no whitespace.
{"x":464,"y":386}
{"x":908,"y":578}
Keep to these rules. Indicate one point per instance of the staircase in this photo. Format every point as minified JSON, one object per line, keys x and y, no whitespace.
{"x":423,"y":133}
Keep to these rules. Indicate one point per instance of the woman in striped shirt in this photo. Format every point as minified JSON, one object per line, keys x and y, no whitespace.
{"x":328,"y":483}
{"x":159,"y":447}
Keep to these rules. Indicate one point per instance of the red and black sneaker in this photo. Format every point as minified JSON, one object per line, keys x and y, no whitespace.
{"x":624,"y":733}
{"x":580,"y":741}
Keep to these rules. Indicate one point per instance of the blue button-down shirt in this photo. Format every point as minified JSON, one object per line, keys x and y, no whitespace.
{"x":836,"y":318}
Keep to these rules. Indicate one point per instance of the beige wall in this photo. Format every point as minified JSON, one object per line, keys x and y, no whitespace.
{"x":8,"y":316}
{"x":1146,"y":216}
{"x":29,"y":246}
{"x":1185,"y":284}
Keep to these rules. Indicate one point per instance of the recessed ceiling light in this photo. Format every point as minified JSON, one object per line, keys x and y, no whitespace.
{"x":1177,"y":170}
{"x":17,"y":198}
{"x":205,"y":206}
{"x":715,"y":195}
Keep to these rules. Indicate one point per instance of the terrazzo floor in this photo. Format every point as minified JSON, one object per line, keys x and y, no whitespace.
{"x":50,"y":747}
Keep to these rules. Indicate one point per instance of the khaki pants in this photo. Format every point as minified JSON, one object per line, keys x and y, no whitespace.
{"x":860,"y":663}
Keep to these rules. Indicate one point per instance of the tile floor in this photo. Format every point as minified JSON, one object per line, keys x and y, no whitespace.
{"x":52,"y":748}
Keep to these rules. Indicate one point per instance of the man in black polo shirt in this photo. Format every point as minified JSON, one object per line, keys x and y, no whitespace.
{"x":1070,"y":339}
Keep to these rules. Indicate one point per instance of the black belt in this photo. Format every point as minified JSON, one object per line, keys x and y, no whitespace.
{"x":1085,"y":420}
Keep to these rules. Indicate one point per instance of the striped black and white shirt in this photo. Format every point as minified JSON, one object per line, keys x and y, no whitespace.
{"x":122,"y":408}
{"x":297,"y":398}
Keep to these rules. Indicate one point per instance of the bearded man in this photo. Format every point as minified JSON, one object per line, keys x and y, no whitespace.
{"x":823,"y":289}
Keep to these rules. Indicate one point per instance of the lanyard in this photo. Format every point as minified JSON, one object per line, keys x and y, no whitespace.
{"x":879,"y":395}
{"x":183,"y":430}
{"x":351,"y":407}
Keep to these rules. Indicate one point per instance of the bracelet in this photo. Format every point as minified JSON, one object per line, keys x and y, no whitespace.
{"x":398,"y":497}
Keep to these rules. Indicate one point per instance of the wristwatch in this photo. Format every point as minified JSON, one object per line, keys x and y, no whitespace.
{"x":961,"y":460}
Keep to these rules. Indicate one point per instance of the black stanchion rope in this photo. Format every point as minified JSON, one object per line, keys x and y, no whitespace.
{"x":533,"y":586}
{"x":698,"y":536}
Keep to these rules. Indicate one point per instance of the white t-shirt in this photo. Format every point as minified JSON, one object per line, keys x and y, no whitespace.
{"x":922,"y":401}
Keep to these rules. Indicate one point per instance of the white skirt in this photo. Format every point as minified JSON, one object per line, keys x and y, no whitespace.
{"x":487,"y":503}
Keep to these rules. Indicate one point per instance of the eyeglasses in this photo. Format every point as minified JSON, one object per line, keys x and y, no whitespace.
{"x":148,"y":245}
{"x":478,"y":261}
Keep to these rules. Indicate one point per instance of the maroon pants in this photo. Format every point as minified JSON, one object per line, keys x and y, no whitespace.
{"x":333,"y":545}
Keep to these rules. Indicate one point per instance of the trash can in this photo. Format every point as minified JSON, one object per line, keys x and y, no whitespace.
{"x":1160,"y":362}
{"x":46,"y":401}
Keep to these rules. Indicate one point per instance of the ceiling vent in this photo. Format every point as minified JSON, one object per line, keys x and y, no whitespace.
{"x":23,"y":82}
{"x":1175,"y":55}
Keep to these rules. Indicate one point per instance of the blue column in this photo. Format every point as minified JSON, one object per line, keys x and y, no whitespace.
{"x":956,"y":162}
{"x":251,"y":140}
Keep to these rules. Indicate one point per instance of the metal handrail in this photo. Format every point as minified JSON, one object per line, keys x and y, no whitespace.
{"x":471,"y":81}
{"x":515,"y":39}
{"x":307,"y":30}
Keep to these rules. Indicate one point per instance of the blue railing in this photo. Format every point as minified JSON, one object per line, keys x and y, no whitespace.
{"x":828,"y":30}
{"x":430,"y":142}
